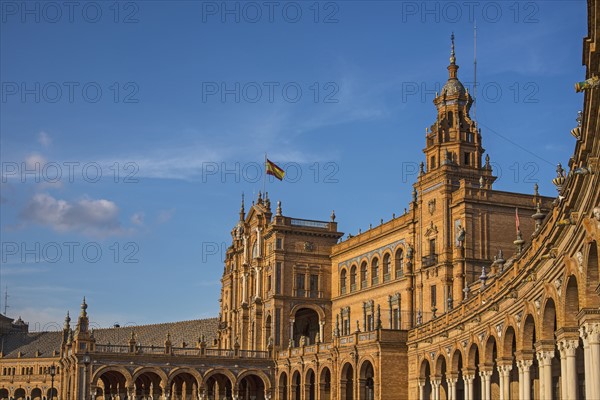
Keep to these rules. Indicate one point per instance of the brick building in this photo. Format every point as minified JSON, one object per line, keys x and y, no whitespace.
{"x":445,"y":301}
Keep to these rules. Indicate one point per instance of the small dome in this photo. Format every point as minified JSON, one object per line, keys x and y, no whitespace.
{"x":453,"y":87}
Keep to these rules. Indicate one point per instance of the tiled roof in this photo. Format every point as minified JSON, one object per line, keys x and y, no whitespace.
{"x":147,"y":335}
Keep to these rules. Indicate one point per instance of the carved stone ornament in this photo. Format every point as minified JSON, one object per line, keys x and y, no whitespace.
{"x":431,"y":206}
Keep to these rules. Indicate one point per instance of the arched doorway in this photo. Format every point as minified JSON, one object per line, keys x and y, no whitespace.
{"x":425,"y":378}
{"x":36,"y":394}
{"x":474,"y":360}
{"x":441,"y":374}
{"x":184,"y":387}
{"x":251,"y":387}
{"x":491,"y":357}
{"x":296,"y":386}
{"x":283,"y":386}
{"x":529,"y":338}
{"x":147,"y":386}
{"x":113,"y":385}
{"x":310,"y":386}
{"x":218,"y":386}
{"x":367,"y":381}
{"x":347,"y":382}
{"x":509,"y":348}
{"x":325,"y":384}
{"x":19,"y":394}
{"x":3,"y":394}
{"x":306,"y":323}
{"x":458,"y":373}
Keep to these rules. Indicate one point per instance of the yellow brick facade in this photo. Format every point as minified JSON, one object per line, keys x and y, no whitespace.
{"x":446,"y":301}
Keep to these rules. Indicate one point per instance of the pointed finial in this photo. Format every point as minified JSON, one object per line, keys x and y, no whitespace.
{"x":452,"y":54}
{"x":242,"y":211}
{"x":332,"y":217}
{"x":278,"y":212}
{"x":83,"y":308}
{"x":259,"y":200}
{"x":67,"y":321}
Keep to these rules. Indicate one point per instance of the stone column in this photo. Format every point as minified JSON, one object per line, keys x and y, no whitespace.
{"x":258,"y":273}
{"x":321,"y":332}
{"x":544,"y":358}
{"x":590,"y":334}
{"x":292,"y":330}
{"x":451,"y":381}
{"x":468,"y":379}
{"x":421,"y":383}
{"x":524,"y":379}
{"x":568,"y":367}
{"x":244,"y":287}
{"x":435,"y":385}
{"x":504,"y":372}
{"x":486,"y":385}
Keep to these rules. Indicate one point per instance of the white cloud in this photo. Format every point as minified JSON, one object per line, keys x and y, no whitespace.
{"x":35,"y":162}
{"x":44,"y":139}
{"x":92,"y":217}
{"x":138,"y":218}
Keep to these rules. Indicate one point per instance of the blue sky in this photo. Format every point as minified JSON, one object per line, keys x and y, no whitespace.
{"x":175,"y":103}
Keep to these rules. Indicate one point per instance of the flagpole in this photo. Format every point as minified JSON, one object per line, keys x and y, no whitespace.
{"x":265,"y":177}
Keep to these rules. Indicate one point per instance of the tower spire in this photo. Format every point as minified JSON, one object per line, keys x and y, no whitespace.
{"x":242,"y":211}
{"x":452,"y":68}
{"x":452,"y":54}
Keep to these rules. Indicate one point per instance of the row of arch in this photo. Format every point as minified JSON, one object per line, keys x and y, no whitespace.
{"x":548,"y":352}
{"x":181,"y":384}
{"x":312,"y":384}
{"x":355,"y":278}
{"x":28,"y":394}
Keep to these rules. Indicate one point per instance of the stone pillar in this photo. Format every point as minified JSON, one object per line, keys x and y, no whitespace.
{"x":421,"y":383}
{"x":590,"y":334}
{"x":568,"y":368}
{"x":258,"y":273}
{"x":292,"y":330}
{"x":504,"y":372}
{"x":451,"y":382}
{"x":524,"y":379}
{"x":321,"y":332}
{"x":486,"y":385}
{"x":468,"y":379}
{"x":435,"y":386}
{"x":244,"y":287}
{"x":544,"y":358}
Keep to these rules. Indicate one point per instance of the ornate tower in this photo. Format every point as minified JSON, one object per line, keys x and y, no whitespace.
{"x":453,"y":142}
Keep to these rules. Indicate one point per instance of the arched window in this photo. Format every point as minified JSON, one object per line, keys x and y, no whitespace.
{"x":450,"y":119}
{"x":399,"y":263}
{"x":431,"y":163}
{"x":386,"y":267}
{"x":375,"y":271}
{"x":353,"y":278}
{"x":343,"y":282}
{"x":363,"y":275}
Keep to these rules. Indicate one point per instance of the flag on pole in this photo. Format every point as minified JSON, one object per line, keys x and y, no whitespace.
{"x":517,"y":219}
{"x":275,"y":170}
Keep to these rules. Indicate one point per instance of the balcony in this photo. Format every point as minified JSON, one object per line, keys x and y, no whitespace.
{"x":429,"y":261}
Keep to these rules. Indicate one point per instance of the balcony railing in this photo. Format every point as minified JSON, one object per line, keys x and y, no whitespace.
{"x":430,"y":260}
{"x":182,"y":351}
